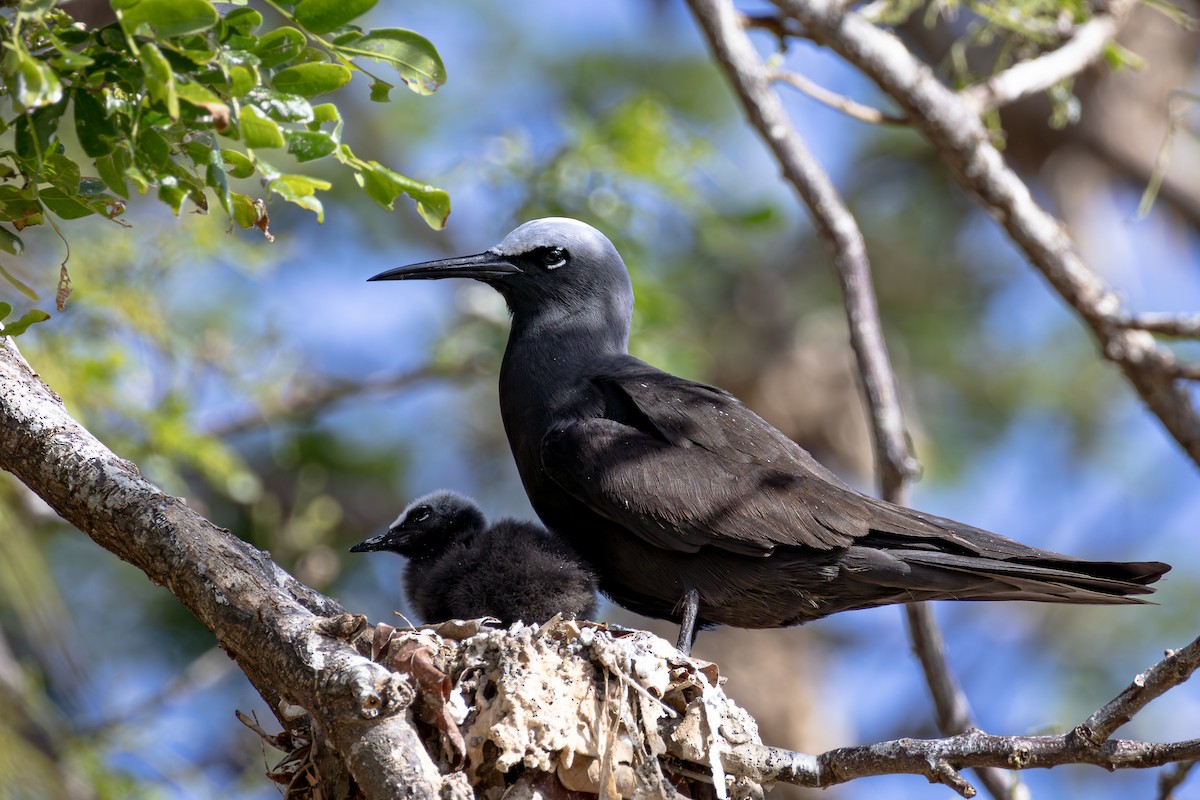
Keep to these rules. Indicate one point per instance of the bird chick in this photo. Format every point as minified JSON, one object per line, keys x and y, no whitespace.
{"x":687,"y":504}
{"x":459,"y":567}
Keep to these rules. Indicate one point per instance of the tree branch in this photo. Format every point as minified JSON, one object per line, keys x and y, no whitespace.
{"x":305,"y":400}
{"x":940,"y":759}
{"x":954,"y":129}
{"x":851,"y":108}
{"x":263,"y":617}
{"x":1184,"y":326}
{"x":833,"y":221}
{"x":895,"y":464}
{"x":1039,"y":74}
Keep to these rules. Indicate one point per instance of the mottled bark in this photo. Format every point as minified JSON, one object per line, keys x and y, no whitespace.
{"x":261,"y":616}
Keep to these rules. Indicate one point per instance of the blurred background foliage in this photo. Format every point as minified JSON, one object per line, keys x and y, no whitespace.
{"x":302,"y":408}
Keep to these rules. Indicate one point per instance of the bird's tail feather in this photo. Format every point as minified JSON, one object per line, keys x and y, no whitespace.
{"x":929,"y":575}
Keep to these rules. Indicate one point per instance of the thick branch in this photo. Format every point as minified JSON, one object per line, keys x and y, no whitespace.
{"x":263,"y":617}
{"x":1039,"y":74}
{"x":953,"y":127}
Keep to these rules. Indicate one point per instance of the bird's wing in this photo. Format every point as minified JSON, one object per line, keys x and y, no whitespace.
{"x":685,"y":465}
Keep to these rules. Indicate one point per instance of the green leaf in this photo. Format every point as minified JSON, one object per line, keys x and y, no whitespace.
{"x":214,"y":178}
{"x":244,"y":212}
{"x":323,"y":16}
{"x":313,"y":55}
{"x":34,"y":129}
{"x":31,"y":83}
{"x":160,"y":78}
{"x":17,"y":203}
{"x":112,"y":169}
{"x":10,"y":243}
{"x":279,"y":46}
{"x":171,"y":193}
{"x":5,"y":310}
{"x":197,"y":95}
{"x":258,"y":131}
{"x":153,"y":149}
{"x":138,"y":177}
{"x":243,"y":21}
{"x":67,"y":59}
{"x":309,"y":145}
{"x":33,"y":9}
{"x":167,"y":17}
{"x":30,"y":317}
{"x":92,"y":187}
{"x":64,"y":205}
{"x":93,"y":126}
{"x":62,"y":172}
{"x":409,"y":53}
{"x":384,"y":186}
{"x":326,"y":112}
{"x":310,"y":80}
{"x":280,"y":106}
{"x":242,"y":78}
{"x":380,"y":91}
{"x":20,"y":285}
{"x":238,"y":165}
{"x":299,"y":189}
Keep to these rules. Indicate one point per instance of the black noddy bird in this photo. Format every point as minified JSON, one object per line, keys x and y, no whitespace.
{"x":688,"y":505}
{"x":459,"y":567}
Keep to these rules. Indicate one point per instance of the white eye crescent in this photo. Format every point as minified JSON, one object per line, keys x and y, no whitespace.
{"x":553,"y":257}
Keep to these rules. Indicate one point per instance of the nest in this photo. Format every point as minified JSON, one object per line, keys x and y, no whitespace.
{"x":563,"y":709}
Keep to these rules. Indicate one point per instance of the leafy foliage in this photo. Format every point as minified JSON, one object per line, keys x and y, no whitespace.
{"x":177,"y":99}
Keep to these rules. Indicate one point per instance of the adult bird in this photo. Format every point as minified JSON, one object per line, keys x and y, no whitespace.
{"x":459,"y":567}
{"x":688,"y":505}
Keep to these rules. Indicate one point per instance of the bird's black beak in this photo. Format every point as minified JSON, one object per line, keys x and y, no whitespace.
{"x":379,"y":542}
{"x":482,"y":267}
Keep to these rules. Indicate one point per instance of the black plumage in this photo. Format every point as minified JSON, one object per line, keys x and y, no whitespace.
{"x":685,"y":502}
{"x":459,"y":567}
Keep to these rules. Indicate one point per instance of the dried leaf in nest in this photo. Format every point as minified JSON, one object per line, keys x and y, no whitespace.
{"x":434,"y":696}
{"x":298,"y":771}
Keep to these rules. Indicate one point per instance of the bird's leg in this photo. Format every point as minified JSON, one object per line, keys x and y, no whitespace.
{"x":687,"y":625}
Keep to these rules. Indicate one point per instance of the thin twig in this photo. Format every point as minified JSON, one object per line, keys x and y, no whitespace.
{"x":1184,"y":326}
{"x":851,"y":108}
{"x":777,"y":24}
{"x":304,"y":401}
{"x":1172,"y":778}
{"x":1175,"y":667}
{"x":953,"y":127}
{"x":1039,"y":74}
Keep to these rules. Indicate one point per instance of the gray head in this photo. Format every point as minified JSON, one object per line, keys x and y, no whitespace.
{"x":428,"y":526}
{"x":552,"y":266}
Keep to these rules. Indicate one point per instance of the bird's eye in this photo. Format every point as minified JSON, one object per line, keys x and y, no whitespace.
{"x":553,"y":257}
{"x":421,"y":514}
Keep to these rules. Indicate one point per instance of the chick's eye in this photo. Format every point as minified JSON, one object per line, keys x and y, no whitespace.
{"x":420,"y":514}
{"x":554,"y":257}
